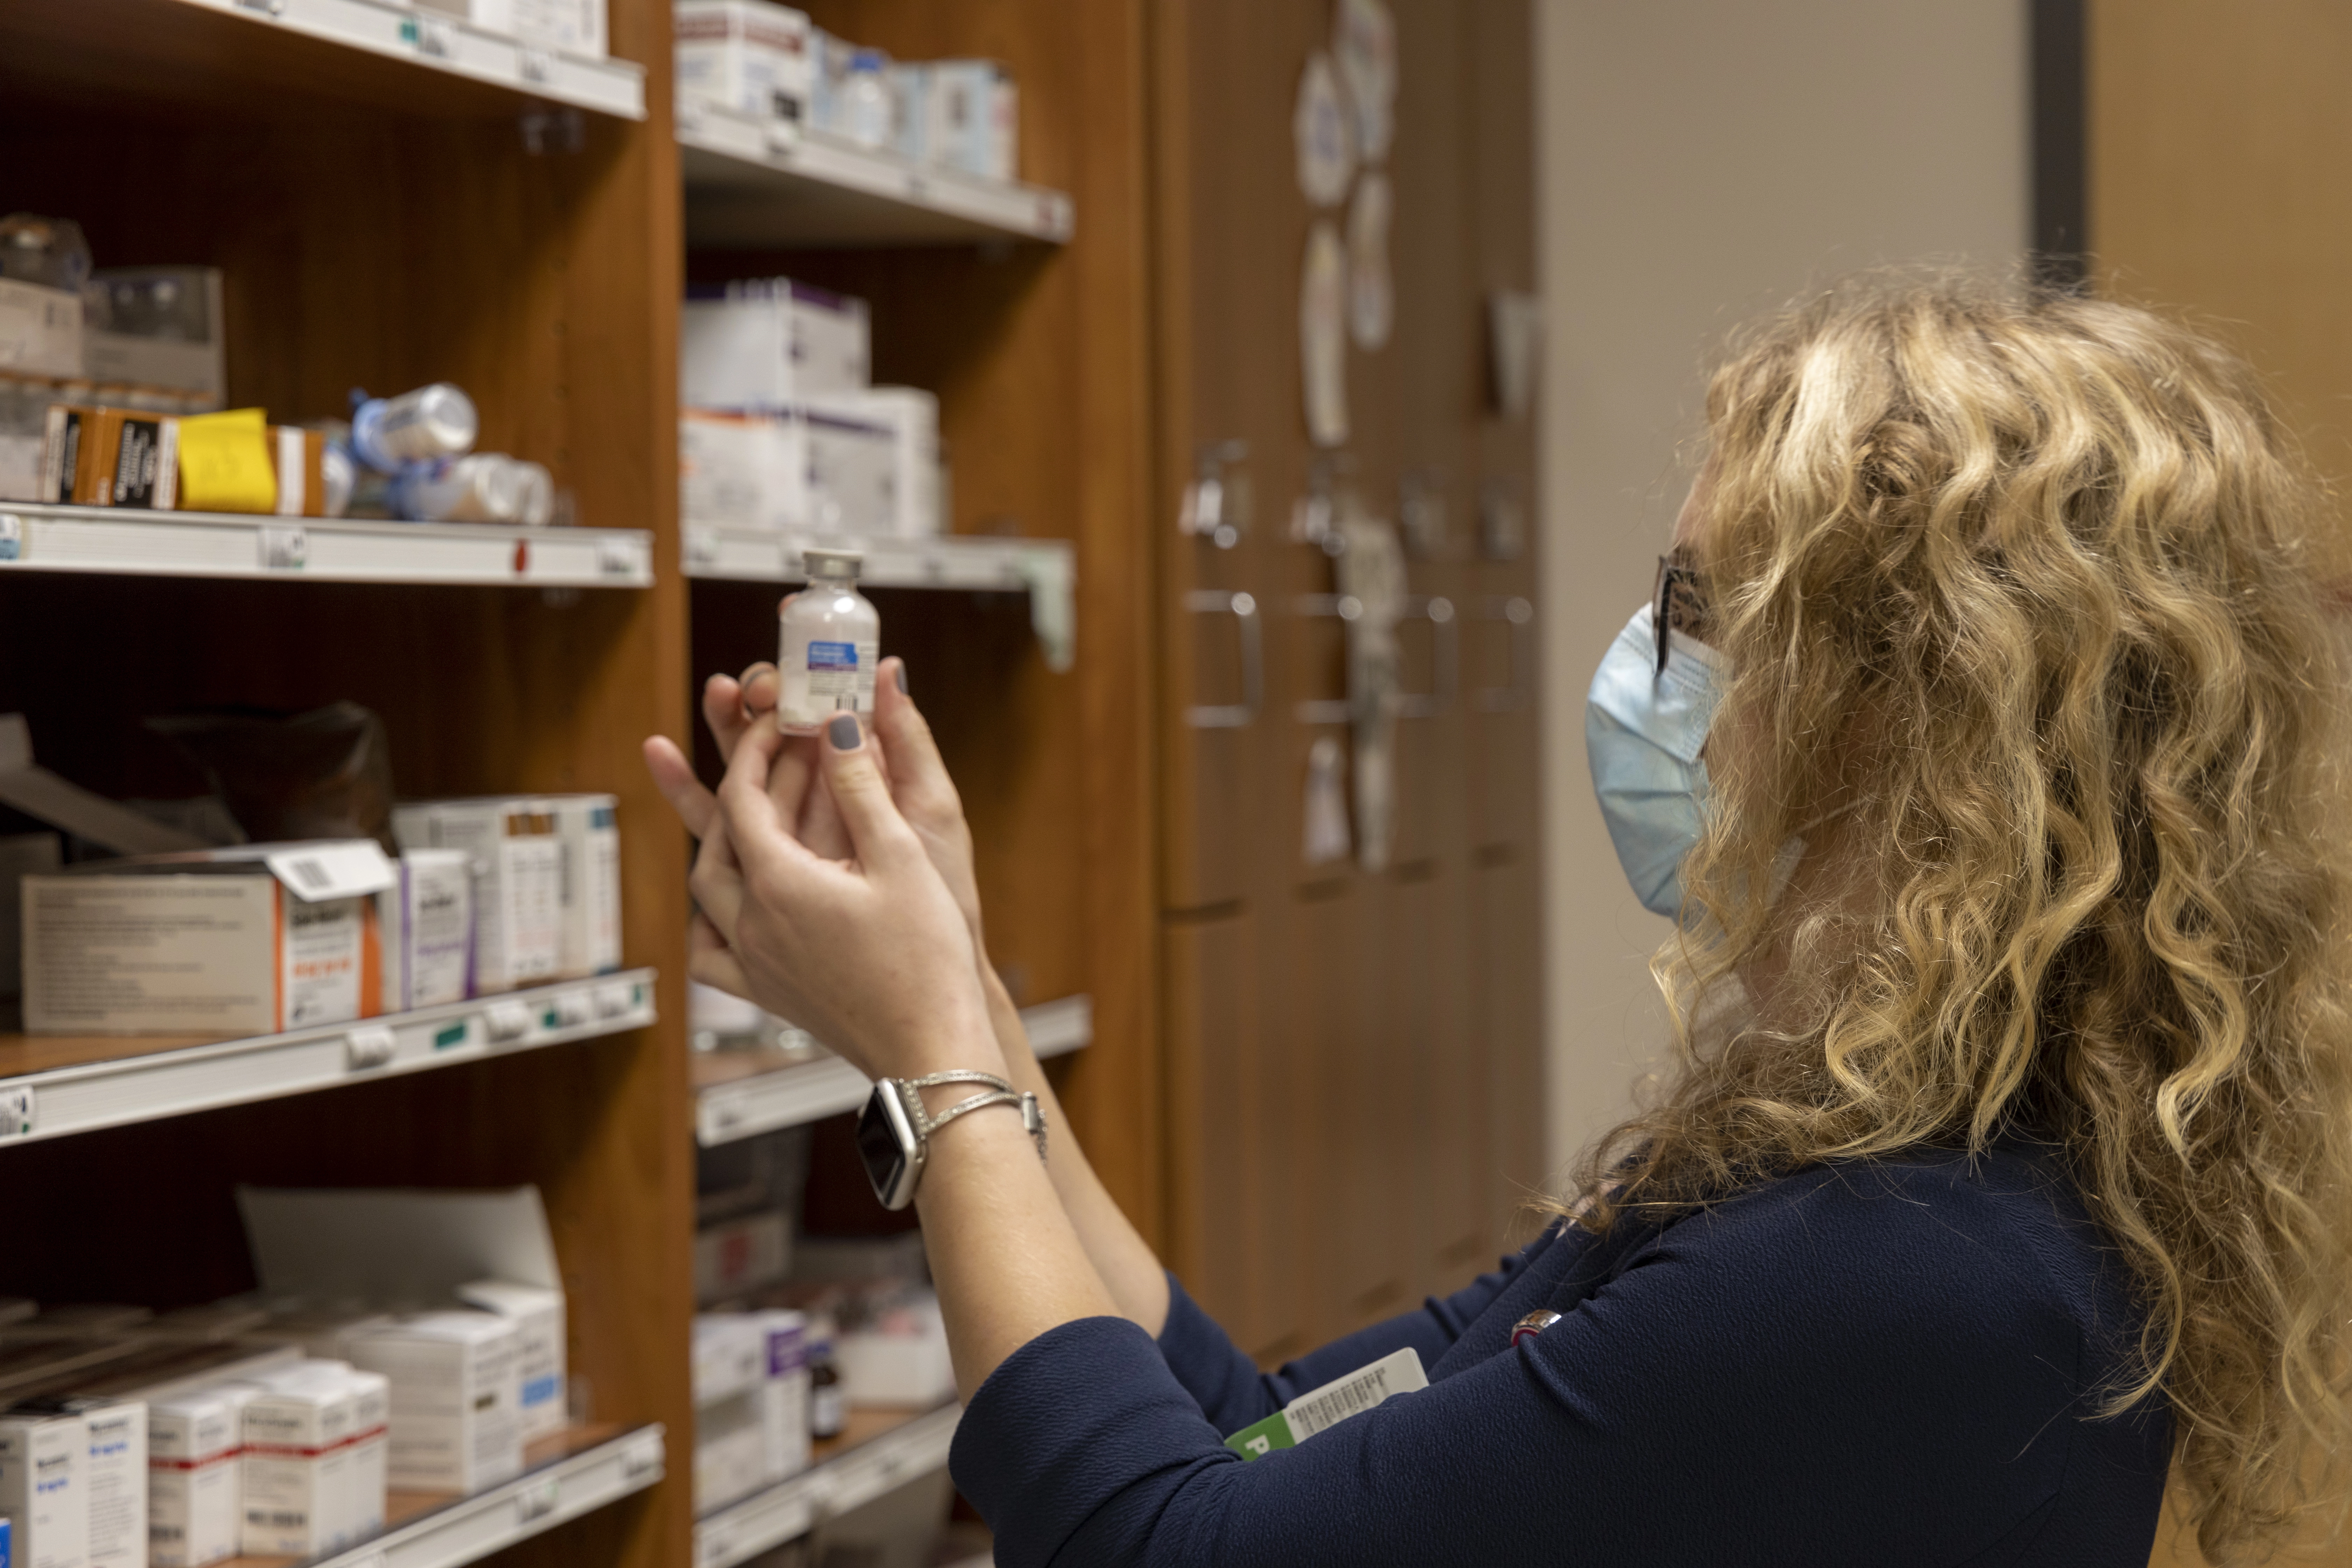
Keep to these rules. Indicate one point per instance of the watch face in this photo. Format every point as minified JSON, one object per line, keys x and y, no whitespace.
{"x":883,"y":1147}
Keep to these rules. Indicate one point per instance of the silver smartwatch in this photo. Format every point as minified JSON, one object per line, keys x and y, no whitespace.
{"x":894,"y":1132}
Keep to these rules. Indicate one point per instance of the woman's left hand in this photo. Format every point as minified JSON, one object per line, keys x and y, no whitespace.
{"x":871,"y":954}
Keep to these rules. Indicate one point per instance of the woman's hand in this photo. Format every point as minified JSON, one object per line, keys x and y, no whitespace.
{"x":871,"y":954}
{"x":910,"y":759}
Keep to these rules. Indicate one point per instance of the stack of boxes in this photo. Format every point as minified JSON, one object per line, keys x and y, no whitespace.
{"x":750,"y":1403}
{"x":275,"y":1426}
{"x":782,"y":429}
{"x":487,"y":895}
{"x":767,"y":61}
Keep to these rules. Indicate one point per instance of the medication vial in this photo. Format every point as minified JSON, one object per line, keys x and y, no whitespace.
{"x":829,"y":640}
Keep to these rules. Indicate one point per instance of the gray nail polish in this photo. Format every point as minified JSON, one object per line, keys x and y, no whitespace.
{"x":844,"y":734}
{"x":902,"y":677}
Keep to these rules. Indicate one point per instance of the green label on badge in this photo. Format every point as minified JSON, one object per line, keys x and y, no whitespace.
{"x":1259,"y":1438}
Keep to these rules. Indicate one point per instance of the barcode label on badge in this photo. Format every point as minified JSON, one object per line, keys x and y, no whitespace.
{"x":1354,"y":1395}
{"x":1321,"y":1409}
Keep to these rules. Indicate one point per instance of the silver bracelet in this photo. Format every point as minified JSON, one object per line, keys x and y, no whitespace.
{"x":999,"y":1092}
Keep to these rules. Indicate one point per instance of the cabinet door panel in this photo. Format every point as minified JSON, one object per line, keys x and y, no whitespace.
{"x":1237,"y":1227}
{"x":1507,"y":1010}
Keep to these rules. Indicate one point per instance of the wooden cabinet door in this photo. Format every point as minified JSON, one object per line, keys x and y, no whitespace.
{"x":1238,"y":1228}
{"x":1335,"y":1125}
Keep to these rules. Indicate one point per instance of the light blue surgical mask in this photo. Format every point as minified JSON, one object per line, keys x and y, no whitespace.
{"x":1643,"y":734}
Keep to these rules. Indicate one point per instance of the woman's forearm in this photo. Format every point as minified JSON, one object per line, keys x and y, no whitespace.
{"x":1121,"y":1257}
{"x":1004,"y":1256}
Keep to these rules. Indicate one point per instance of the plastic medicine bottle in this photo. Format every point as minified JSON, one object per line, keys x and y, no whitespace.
{"x":829,"y":640}
{"x":866,"y":111}
{"x":436,"y":421}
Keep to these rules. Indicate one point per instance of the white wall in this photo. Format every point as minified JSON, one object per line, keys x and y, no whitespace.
{"x":1700,"y":161}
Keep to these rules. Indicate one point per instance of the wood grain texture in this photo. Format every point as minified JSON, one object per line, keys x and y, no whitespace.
{"x":2215,"y":152}
{"x":1039,"y":357}
{"x":380,"y":228}
{"x":1409,"y":1122}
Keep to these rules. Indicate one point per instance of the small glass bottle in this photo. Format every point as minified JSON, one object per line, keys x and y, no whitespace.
{"x":866,"y":110}
{"x":829,"y":640}
{"x":828,"y":1412}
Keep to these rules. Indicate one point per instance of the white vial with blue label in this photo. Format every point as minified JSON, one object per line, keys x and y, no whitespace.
{"x":830,"y":638}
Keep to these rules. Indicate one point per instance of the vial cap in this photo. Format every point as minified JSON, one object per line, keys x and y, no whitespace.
{"x":831,"y":563}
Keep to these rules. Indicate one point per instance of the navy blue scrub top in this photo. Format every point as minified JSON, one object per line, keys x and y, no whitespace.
{"x":1894,"y":1362}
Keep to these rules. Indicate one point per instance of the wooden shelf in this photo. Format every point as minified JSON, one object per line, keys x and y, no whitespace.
{"x":759,"y":183}
{"x":878,"y":1449}
{"x":258,"y":51}
{"x":52,"y":1086}
{"x":37,"y":538}
{"x":565,"y":1475}
{"x":740,"y":1094}
{"x":1044,"y":569}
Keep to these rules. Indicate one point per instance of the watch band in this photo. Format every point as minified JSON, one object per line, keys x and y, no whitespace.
{"x":998,"y":1092}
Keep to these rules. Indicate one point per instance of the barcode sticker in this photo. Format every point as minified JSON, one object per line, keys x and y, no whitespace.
{"x":17,"y":1102}
{"x":621,"y":557}
{"x":343,"y":868}
{"x":285,"y":547}
{"x":1321,"y":1409}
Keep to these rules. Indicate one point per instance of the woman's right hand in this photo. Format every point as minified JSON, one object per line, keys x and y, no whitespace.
{"x":869,"y":952}
{"x":908,"y":755}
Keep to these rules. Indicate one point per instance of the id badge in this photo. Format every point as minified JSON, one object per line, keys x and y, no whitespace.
{"x":1321,"y":1409}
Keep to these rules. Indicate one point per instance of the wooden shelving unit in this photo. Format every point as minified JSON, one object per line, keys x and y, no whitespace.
{"x":395,"y":199}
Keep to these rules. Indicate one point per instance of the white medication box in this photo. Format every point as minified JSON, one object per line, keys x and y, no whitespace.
{"x":742,"y":470}
{"x":314,"y":1459}
{"x":974,"y":111}
{"x":783,"y":1394}
{"x":588,"y":829}
{"x":113,"y":1476}
{"x":729,"y":1455}
{"x":116,"y":1478}
{"x":454,"y":1423}
{"x":45,"y":1488}
{"x":537,"y":1314}
{"x":230,"y":942}
{"x":426,"y":922}
{"x":767,"y":344}
{"x":744,"y":55}
{"x":853,"y":468}
{"x":517,"y":862}
{"x":195,"y":1504}
{"x":730,"y":1356}
{"x":914,"y":504}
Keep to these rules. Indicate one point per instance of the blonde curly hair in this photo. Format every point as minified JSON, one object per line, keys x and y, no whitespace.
{"x":2030,"y":571}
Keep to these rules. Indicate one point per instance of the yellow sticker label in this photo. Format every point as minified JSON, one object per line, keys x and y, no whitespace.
{"x":224,"y":463}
